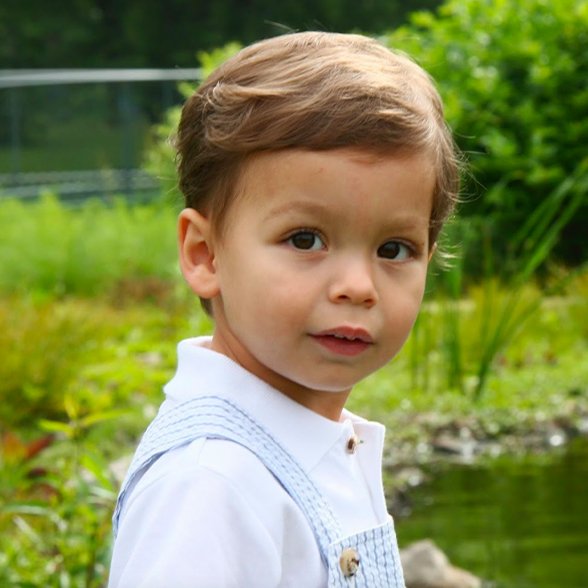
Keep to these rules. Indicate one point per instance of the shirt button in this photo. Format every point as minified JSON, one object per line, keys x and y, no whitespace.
{"x":352,"y":443}
{"x":349,"y":562}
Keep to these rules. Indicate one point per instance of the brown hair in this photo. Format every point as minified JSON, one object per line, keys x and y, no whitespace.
{"x":314,"y":91}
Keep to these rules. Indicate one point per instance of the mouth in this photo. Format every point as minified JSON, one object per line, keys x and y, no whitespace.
{"x":347,"y":341}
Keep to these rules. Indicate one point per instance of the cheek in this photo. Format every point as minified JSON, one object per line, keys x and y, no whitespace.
{"x":257,"y":297}
{"x":415,"y":300}
{"x":402,"y":306}
{"x":284,"y":306}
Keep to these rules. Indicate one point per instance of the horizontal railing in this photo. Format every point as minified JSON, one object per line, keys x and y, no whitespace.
{"x":23,"y":78}
{"x":77,"y":184}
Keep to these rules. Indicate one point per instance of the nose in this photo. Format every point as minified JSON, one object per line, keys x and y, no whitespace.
{"x":353,"y":282}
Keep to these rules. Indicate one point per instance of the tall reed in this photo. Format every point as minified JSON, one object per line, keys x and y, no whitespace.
{"x":504,"y":302}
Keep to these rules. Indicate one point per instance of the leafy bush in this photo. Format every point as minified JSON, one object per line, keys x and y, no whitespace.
{"x":71,"y":359}
{"x":512,"y":76}
{"x":95,"y":249}
{"x":508,"y":299}
{"x":79,"y":381}
{"x":43,"y":346}
{"x":55,"y":512}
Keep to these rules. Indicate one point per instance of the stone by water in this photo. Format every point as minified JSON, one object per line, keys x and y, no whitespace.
{"x":515,"y":521}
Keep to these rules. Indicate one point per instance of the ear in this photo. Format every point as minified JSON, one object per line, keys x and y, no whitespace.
{"x":196,"y":253}
{"x":432,"y":250}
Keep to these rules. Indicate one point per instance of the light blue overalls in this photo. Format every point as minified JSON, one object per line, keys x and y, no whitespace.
{"x":368,"y":559}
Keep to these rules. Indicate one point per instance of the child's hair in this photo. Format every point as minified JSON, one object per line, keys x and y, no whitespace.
{"x":313,"y":91}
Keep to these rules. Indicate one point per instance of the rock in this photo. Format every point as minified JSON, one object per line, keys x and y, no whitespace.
{"x":463,"y":444}
{"x":426,"y":566}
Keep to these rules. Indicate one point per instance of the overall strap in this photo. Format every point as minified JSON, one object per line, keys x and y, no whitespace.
{"x":218,"y":418}
{"x":372,"y":556}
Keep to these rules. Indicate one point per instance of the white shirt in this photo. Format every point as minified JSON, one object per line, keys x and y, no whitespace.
{"x":210,"y":515}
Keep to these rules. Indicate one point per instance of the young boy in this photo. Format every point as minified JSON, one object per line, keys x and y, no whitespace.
{"x":317,"y":170}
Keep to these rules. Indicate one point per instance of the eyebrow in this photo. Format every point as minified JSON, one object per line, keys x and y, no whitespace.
{"x":296,"y":206}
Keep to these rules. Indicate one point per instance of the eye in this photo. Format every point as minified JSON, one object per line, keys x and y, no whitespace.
{"x":306,"y":240}
{"x":395,"y":250}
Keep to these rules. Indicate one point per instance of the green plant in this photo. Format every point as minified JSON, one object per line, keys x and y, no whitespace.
{"x":505,"y":300}
{"x":530,"y":247}
{"x":510,"y":75}
{"x":105,"y":358}
{"x":51,"y":249}
{"x":44,"y":346}
{"x":57,"y":488}
{"x":55,"y":517}
{"x":540,"y":374}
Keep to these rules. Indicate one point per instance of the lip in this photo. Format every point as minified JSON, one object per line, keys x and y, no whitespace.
{"x":344,"y":340}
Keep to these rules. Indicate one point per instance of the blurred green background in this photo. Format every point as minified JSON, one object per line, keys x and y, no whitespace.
{"x":92,"y":304}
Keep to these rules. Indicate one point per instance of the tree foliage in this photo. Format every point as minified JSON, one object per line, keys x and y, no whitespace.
{"x":152,"y":33}
{"x":514,"y":76}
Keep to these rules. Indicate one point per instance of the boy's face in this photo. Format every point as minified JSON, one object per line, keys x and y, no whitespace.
{"x":321,"y":270}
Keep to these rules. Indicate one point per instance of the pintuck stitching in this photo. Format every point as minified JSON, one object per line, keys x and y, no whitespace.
{"x":218,"y":418}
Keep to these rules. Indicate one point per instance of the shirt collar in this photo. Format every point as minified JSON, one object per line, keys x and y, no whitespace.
{"x":306,"y":435}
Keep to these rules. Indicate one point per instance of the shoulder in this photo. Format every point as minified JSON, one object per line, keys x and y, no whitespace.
{"x":230,"y":464}
{"x":214,"y":498}
{"x":216,"y":473}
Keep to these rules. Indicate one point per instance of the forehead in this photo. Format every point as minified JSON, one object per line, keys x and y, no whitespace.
{"x":345,"y":182}
{"x":296,"y":172}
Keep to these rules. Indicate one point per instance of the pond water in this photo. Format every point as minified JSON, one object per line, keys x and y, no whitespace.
{"x":517,"y":522}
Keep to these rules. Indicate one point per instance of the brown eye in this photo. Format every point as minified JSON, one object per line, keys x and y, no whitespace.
{"x":394,"y":250}
{"x":306,"y":240}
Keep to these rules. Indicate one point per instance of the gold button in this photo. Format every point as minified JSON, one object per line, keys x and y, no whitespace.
{"x":353,"y":443}
{"x":349,"y":562}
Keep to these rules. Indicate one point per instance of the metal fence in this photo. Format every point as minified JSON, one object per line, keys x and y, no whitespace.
{"x":75,"y":186}
{"x":82,"y":133}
